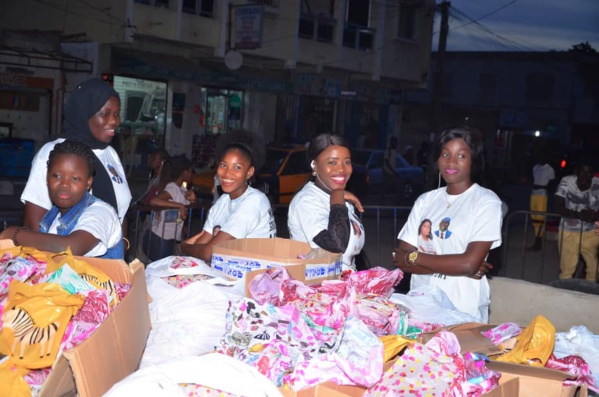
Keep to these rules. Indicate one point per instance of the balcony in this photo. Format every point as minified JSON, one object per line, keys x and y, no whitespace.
{"x":358,"y":37}
{"x":317,"y":27}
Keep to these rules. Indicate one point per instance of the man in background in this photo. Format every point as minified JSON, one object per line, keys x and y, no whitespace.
{"x":390,"y":175}
{"x":542,"y":175}
{"x":577,"y":200}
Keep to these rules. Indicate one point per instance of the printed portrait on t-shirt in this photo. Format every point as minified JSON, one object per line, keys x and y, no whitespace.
{"x":444,"y":233}
{"x":356,"y":227}
{"x":425,"y":238}
{"x":115,"y":175}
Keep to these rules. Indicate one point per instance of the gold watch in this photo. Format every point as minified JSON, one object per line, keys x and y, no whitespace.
{"x":412,"y":256}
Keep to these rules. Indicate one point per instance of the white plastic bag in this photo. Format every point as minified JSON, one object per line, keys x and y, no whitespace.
{"x":430,"y":304}
{"x":212,"y":370}
{"x":580,"y":342}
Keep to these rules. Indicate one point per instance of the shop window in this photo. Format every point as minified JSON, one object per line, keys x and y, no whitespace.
{"x":221,"y":110}
{"x":203,"y":8}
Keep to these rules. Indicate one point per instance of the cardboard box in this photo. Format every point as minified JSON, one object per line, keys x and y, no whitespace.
{"x":115,"y":348}
{"x":533,"y":381}
{"x":244,"y":259}
{"x":510,"y":388}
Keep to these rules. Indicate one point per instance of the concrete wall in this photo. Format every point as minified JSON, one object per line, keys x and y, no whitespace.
{"x":520,"y":301}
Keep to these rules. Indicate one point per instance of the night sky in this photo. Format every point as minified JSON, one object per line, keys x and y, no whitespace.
{"x":524,"y":25}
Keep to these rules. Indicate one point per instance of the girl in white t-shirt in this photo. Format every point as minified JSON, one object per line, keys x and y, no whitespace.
{"x":91,"y":116}
{"x":466,"y":224}
{"x":167,"y":225}
{"x":241,"y":211}
{"x":322,"y":213}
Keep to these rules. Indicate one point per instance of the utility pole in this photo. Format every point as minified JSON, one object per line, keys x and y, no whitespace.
{"x":440,"y":67}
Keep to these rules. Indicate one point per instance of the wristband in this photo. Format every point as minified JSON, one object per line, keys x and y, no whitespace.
{"x":16,"y":233}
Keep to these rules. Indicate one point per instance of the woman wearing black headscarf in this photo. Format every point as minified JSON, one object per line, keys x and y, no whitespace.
{"x":91,"y":116}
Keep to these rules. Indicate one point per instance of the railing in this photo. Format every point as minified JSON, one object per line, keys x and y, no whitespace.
{"x":141,"y":218}
{"x":10,"y":218}
{"x":382,"y":225}
{"x":519,"y":260}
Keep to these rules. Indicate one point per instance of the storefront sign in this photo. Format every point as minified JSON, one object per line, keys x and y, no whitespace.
{"x":247,"y":23}
{"x":22,"y":81}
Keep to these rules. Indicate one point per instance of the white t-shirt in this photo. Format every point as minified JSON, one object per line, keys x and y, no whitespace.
{"x":474,"y":215}
{"x":309,"y":215}
{"x":576,"y":200}
{"x":541,"y":175}
{"x":101,"y":221}
{"x":248,"y":216}
{"x":167,"y":223}
{"x":36,"y":190}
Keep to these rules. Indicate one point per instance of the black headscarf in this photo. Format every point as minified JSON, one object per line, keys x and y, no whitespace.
{"x":89,"y":97}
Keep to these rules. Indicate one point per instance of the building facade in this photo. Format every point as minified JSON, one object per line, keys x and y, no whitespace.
{"x":188,"y":70}
{"x":524,"y":102}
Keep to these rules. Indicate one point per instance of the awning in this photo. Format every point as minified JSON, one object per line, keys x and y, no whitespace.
{"x":31,"y":58}
{"x":161,"y":66}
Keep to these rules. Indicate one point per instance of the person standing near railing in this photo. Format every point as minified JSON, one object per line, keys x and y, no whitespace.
{"x":542,"y":175}
{"x":167,"y":225}
{"x":458,"y":266}
{"x":577,"y":200}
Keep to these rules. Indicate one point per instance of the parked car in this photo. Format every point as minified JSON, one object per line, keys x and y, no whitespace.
{"x":411,"y":177}
{"x":285,"y":171}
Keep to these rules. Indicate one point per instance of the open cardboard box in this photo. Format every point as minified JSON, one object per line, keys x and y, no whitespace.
{"x":243,"y":259}
{"x":115,"y":348}
{"x":533,"y":381}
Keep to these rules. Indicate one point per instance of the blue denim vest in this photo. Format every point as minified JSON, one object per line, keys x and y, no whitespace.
{"x":68,"y":221}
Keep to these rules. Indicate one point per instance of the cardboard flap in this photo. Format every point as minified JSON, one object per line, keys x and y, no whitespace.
{"x":511,"y":388}
{"x":99,"y":356}
{"x":277,"y":249}
{"x":60,"y":382}
{"x":525,"y":370}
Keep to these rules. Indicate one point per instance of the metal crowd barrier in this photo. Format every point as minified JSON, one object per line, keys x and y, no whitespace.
{"x":143,"y":215}
{"x":518,"y":261}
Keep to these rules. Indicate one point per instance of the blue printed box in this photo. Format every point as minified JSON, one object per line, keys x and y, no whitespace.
{"x":243,"y":259}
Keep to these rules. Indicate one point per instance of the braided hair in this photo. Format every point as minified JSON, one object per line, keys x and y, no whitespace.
{"x":78,"y":149}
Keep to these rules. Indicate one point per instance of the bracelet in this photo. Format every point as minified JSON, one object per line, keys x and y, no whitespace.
{"x":16,"y":233}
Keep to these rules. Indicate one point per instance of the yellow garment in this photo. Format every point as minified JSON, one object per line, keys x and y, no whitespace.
{"x":538,"y":203}
{"x":34,"y":321}
{"x":92,"y":275}
{"x":534,"y":345}
{"x":393,"y":345}
{"x":572,"y":244}
{"x":12,"y":383}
